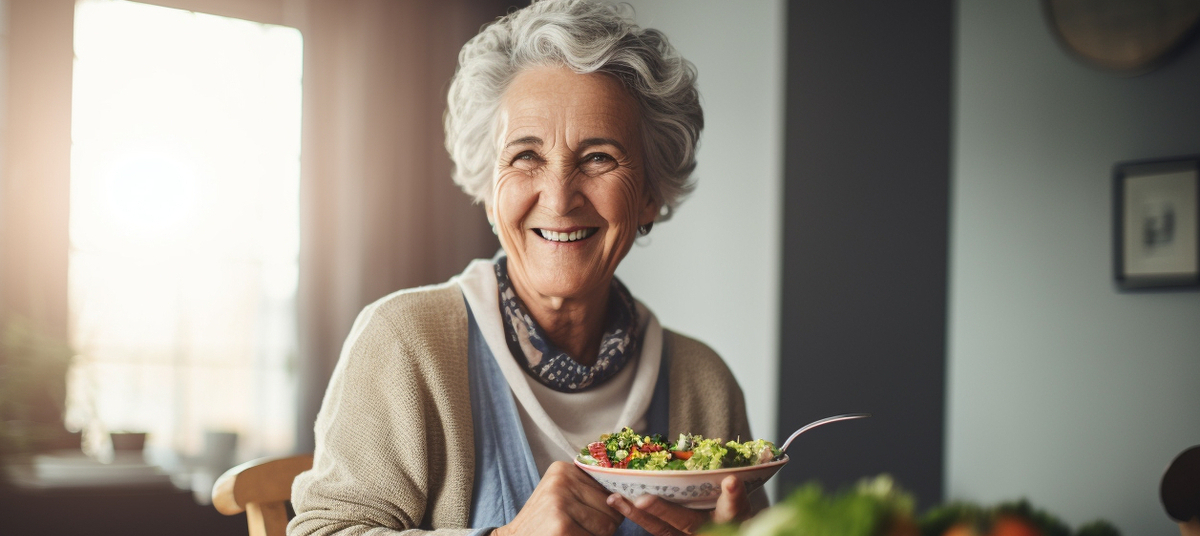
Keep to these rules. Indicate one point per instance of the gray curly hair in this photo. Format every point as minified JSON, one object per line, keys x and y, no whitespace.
{"x":586,"y":37}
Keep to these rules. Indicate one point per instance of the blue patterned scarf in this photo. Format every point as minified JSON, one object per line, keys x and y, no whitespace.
{"x":552,"y":366}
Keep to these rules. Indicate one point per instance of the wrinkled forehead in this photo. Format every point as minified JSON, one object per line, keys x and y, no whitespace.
{"x":556,"y":102}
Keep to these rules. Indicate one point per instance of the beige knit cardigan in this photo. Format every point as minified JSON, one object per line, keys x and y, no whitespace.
{"x":394,"y":443}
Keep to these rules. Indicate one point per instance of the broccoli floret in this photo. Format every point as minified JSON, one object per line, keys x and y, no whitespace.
{"x":619,"y":444}
{"x":638,"y":462}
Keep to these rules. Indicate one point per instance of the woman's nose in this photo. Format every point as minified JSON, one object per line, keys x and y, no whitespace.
{"x":560,"y":191}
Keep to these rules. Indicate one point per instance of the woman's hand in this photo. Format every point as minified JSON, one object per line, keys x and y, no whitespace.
{"x":663,"y":518}
{"x":566,"y":502}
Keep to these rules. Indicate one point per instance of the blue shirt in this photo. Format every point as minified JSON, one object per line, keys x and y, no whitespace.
{"x":505,"y":473}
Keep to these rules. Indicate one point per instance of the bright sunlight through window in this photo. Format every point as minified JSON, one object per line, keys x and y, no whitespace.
{"x":184,"y":227}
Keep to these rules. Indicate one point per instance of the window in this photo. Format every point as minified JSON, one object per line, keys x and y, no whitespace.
{"x":184,"y":227}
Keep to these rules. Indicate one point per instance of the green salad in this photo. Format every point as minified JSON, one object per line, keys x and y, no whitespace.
{"x":629,"y":450}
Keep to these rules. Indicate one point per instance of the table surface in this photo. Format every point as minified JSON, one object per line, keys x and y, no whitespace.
{"x":103,"y":511}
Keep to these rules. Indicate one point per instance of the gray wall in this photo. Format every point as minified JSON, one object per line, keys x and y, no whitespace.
{"x":1061,"y":389}
{"x":865,"y":233}
{"x":712,"y":271}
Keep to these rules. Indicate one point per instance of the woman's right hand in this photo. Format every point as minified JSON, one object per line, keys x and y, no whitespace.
{"x":566,"y":502}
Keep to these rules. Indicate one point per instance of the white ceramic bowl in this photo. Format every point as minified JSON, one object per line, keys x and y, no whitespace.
{"x":693,"y":489}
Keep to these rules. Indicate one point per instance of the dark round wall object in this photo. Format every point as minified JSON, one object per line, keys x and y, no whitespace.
{"x":1127,"y":37}
{"x":1180,"y":490}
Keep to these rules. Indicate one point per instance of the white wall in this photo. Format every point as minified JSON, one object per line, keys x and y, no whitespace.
{"x":1061,"y":389}
{"x":712,"y":271}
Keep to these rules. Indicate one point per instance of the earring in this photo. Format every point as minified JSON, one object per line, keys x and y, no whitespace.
{"x":644,"y":230}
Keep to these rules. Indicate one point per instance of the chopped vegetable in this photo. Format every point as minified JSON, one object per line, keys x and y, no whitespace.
{"x":629,"y":450}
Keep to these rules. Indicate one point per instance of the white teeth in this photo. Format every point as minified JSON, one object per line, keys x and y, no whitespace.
{"x":555,"y":236}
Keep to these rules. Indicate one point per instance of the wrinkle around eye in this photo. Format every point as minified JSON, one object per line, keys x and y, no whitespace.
{"x":525,"y":160}
{"x":597,"y":163}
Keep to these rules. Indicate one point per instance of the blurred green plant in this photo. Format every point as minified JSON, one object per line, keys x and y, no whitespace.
{"x":1098,"y":527}
{"x":1016,"y":518}
{"x":33,"y":388}
{"x":941,"y":519}
{"x":877,"y":507}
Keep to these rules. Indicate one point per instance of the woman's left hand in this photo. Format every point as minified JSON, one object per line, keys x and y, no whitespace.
{"x":664,"y":518}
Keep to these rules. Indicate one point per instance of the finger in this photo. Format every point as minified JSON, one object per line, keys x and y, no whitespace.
{"x":582,"y":477}
{"x":685,"y":519}
{"x":597,"y":516}
{"x":651,"y":523}
{"x":575,"y":475}
{"x":559,"y":511}
{"x":591,"y":494}
{"x":734,"y":502}
{"x":582,"y":497}
{"x":593,"y":526}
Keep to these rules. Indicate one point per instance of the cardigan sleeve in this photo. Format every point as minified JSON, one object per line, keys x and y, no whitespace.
{"x":388,"y":456}
{"x":705,"y":397}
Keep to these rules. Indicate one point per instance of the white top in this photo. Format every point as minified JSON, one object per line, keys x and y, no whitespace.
{"x":558,"y":424}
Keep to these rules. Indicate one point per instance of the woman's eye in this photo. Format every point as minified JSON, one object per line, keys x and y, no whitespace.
{"x":525,"y":160}
{"x":599,"y":163}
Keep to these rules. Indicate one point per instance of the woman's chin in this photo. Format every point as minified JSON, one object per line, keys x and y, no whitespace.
{"x":561,"y":290}
{"x":565,"y":274}
{"x":569,"y":282}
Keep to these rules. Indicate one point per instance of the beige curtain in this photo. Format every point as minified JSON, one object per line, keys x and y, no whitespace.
{"x":35,"y":161}
{"x":380,"y":212}
{"x":35,"y":149}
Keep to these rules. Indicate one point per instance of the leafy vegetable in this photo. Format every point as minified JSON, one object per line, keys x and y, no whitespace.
{"x":706,"y":454}
{"x":629,"y":450}
{"x":750,"y":453}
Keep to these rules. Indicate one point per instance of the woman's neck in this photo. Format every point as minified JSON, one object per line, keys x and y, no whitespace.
{"x":574,"y":325}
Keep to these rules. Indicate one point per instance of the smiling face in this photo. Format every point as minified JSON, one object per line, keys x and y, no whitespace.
{"x":569,"y":190}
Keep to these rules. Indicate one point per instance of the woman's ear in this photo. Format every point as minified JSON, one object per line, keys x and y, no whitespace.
{"x":487,"y":209}
{"x":650,"y":211}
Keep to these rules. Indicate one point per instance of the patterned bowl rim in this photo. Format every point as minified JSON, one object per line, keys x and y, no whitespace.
{"x":680,"y":473}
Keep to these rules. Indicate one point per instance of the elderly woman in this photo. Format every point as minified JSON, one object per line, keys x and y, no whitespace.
{"x":458,"y":407}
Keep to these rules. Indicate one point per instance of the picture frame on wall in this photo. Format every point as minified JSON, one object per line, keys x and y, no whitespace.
{"x":1156,"y":229}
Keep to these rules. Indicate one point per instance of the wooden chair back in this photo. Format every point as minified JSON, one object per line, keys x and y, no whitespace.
{"x":260,"y":488}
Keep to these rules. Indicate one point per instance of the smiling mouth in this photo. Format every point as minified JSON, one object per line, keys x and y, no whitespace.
{"x":573,"y":236}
